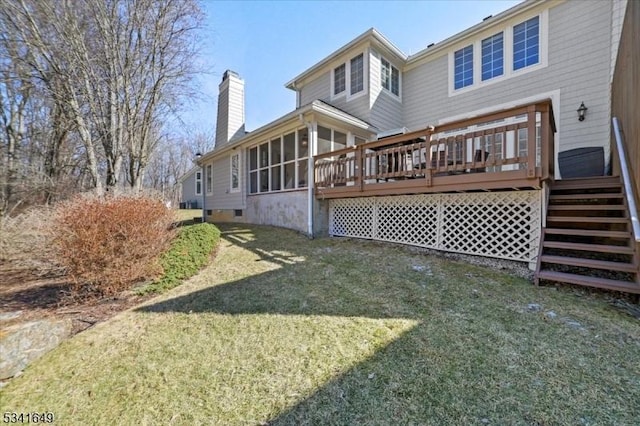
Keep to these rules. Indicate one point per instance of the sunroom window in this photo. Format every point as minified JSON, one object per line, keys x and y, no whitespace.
{"x":330,"y":140}
{"x":280,"y":163}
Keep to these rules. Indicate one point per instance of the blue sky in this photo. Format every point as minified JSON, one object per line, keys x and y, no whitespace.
{"x":270,"y":42}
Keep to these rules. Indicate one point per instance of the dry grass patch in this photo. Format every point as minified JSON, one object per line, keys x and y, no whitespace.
{"x":285,"y":330}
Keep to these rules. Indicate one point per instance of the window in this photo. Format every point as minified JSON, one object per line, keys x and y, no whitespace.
{"x":209,"y":177}
{"x":492,"y":57}
{"x":330,"y":140}
{"x":235,"y":173}
{"x":526,"y":43}
{"x":500,"y":54}
{"x":349,"y":78}
{"x":357,"y":74}
{"x":389,"y":77}
{"x":463,"y":62}
{"x":339,"y":79}
{"x":280,"y":163}
{"x":198,"y":183}
{"x":357,"y":140}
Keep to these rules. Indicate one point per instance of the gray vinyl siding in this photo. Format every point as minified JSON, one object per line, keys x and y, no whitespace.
{"x":222,"y":197}
{"x":319,"y":88}
{"x":189,"y":191}
{"x":358,"y":107}
{"x":578,"y":66}
{"x":386,"y":109}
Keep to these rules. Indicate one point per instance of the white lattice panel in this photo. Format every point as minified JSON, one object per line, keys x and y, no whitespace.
{"x":496,"y":224}
{"x":409,"y":219}
{"x":351,"y":217}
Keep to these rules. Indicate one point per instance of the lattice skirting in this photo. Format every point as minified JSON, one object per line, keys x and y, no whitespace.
{"x":505,"y":225}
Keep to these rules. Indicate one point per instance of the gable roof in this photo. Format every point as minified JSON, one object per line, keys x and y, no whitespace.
{"x":188,"y":173}
{"x":317,"y":106}
{"x":371,"y":35}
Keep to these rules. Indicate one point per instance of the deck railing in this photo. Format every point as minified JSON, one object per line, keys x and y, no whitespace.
{"x":509,"y":147}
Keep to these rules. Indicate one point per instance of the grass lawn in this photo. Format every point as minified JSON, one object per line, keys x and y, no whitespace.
{"x":282,"y":330}
{"x":188,"y":214}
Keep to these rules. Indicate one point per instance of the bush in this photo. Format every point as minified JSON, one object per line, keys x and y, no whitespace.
{"x":189,"y":252}
{"x":109,"y":243}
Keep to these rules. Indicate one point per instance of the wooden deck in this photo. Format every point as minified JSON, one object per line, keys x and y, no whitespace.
{"x":483,"y":153}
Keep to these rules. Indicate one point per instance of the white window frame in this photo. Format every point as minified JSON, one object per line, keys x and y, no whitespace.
{"x":365,"y":83}
{"x":282,"y":163}
{"x":198,"y":180}
{"x":333,"y":81}
{"x":507,"y":39}
{"x":238,"y":173}
{"x":391,"y":68}
{"x":209,"y":178}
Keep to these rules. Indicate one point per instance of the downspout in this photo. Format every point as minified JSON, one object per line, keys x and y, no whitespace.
{"x":312,"y":130}
{"x":204,"y":217}
{"x":202,"y":183}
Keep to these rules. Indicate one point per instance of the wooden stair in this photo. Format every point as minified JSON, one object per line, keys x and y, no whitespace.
{"x":588,"y":239}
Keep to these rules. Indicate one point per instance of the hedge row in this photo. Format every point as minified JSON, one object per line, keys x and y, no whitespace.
{"x":189,"y":251}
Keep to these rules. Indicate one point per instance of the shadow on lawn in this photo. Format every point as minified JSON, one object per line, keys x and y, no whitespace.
{"x":444,"y":370}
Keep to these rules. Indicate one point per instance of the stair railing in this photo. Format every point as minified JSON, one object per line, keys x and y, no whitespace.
{"x":626,"y":179}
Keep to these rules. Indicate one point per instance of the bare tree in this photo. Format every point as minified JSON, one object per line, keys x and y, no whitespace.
{"x":113,"y":71}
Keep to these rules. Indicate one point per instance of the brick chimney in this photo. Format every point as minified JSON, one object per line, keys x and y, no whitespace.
{"x":230,"y":122}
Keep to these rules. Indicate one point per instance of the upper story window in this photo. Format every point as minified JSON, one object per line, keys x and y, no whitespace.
{"x":526,"y":43}
{"x":339,"y":79}
{"x":280,"y":163}
{"x":198,"y":183}
{"x":350,"y":78}
{"x":492,"y":56}
{"x":357,"y":74}
{"x":514,"y":50}
{"x":235,"y":173}
{"x":389,"y":77}
{"x":463,"y":62}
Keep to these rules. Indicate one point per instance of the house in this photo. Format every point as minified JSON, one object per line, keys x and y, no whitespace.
{"x":191,"y":189}
{"x":460,"y":147}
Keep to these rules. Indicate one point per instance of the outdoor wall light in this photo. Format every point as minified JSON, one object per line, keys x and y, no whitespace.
{"x":582,"y":111}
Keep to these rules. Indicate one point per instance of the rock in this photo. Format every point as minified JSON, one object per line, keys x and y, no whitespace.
{"x":418,"y":268}
{"x":21,"y":344}
{"x":550,"y":314}
{"x":574,"y":324}
{"x":534,"y":307}
{"x":8,"y":316}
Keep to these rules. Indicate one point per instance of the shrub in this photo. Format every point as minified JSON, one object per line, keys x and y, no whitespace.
{"x":109,"y":243}
{"x":189,"y":251}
